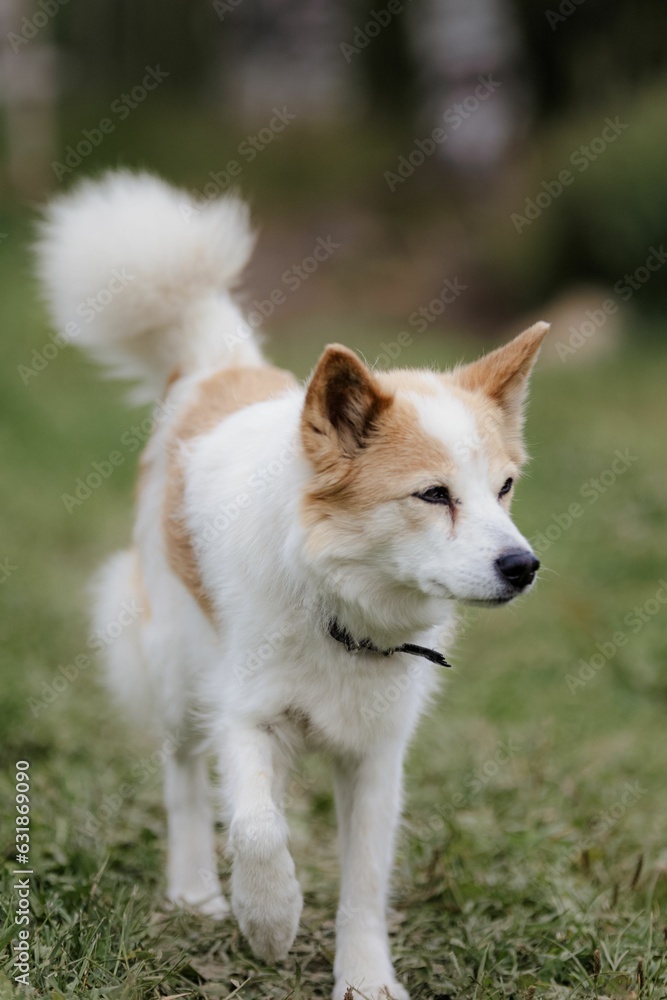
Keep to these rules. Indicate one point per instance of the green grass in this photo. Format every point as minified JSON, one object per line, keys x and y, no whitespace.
{"x":515,"y":866}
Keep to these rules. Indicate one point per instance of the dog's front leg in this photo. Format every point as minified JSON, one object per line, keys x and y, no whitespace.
{"x":368,"y":803}
{"x":266,"y":898}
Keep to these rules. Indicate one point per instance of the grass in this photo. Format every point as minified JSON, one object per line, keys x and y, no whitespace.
{"x":533,"y":860}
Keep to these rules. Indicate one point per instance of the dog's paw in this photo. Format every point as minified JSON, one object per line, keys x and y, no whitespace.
{"x":267,"y":902}
{"x":213,"y":906}
{"x":345,"y":990}
{"x":217,"y":907}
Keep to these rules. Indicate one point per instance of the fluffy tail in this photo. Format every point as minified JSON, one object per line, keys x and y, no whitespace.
{"x":138,"y":273}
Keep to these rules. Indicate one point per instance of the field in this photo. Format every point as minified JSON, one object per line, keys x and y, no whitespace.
{"x":533,"y":859}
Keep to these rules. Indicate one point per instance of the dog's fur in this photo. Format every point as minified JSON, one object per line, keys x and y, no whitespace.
{"x":265,"y":510}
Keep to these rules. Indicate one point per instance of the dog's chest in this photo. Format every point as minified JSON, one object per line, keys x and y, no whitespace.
{"x":351,"y":702}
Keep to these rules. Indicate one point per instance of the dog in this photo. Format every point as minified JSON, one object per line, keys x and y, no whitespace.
{"x":298,"y":551}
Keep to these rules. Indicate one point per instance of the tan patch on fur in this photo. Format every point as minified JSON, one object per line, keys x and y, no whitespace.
{"x":423,"y":381}
{"x":398,"y":451}
{"x":171,"y":378}
{"x":488,"y":416}
{"x":224,"y":393}
{"x":364,"y":439}
{"x":501,"y":371}
{"x":395,"y":455}
{"x":495,"y":386}
{"x":498,"y":443}
{"x":343,"y":405}
{"x":503,"y":448}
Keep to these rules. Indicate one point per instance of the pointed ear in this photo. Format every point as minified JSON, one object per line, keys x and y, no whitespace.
{"x":503,"y":374}
{"x":343,"y":403}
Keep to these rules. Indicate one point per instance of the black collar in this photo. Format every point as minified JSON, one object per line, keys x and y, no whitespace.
{"x":341,"y":634}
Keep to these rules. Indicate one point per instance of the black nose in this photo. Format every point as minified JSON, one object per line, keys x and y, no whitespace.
{"x":518,"y":567}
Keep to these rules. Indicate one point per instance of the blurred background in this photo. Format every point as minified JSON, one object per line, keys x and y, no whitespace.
{"x":520,"y":92}
{"x":427,"y":178}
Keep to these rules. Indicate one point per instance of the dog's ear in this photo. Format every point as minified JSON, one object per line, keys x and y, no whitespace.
{"x":342,"y":407}
{"x":503,"y":374}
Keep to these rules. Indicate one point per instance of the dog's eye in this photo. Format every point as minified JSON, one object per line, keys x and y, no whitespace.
{"x":507,"y":486}
{"x":435,"y":494}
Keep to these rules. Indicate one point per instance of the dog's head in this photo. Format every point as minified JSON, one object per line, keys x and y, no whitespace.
{"x":413,"y":475}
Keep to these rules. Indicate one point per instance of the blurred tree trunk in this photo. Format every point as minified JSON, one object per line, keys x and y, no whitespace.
{"x":286,"y":52}
{"x":458,"y":45}
{"x":28,"y":88}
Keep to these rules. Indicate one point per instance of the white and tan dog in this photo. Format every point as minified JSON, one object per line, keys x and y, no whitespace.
{"x":298,"y":551}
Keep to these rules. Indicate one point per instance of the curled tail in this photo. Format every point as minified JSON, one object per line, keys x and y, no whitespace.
{"x":139,"y":274}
